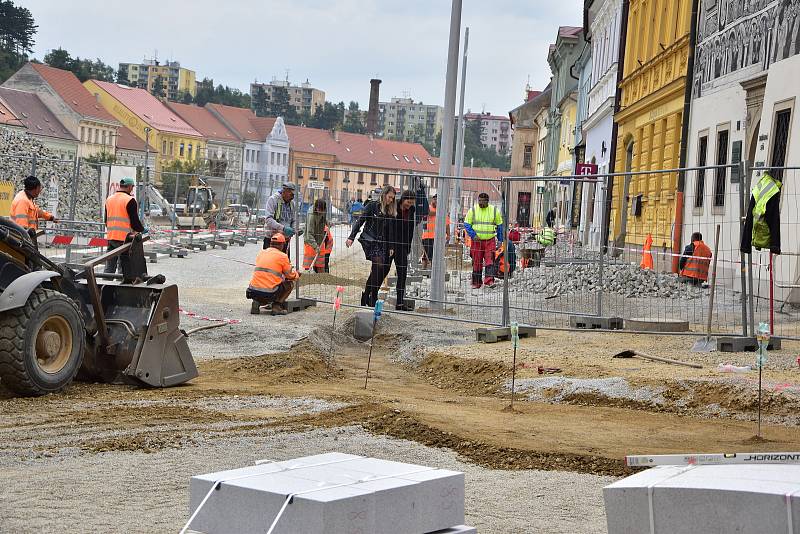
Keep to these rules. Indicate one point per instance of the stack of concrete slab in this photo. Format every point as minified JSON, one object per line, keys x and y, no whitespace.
{"x":712,"y":498}
{"x":330,"y":493}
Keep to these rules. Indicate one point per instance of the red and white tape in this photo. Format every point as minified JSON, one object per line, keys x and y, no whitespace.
{"x":201,"y":317}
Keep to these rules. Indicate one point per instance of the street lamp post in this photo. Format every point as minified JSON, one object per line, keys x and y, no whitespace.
{"x":142,"y":186}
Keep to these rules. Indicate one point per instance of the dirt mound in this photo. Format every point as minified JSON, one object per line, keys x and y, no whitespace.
{"x":472,"y":376}
{"x":147,"y":443}
{"x":743,"y":397}
{"x":303,"y":364}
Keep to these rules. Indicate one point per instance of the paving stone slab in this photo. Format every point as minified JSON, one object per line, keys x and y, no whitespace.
{"x":750,"y":499}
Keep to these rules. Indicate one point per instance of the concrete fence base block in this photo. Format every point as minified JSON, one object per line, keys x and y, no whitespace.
{"x":296,"y":305}
{"x":221,"y":244}
{"x":653,"y":325}
{"x":362,"y":327}
{"x":495,"y":335}
{"x":592,"y":322}
{"x":392,"y":301}
{"x":744,"y":344}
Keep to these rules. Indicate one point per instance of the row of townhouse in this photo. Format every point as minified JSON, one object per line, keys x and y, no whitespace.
{"x":658,"y":85}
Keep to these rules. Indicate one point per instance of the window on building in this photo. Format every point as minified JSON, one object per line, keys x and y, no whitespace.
{"x":171,"y":148}
{"x":780,"y":141}
{"x":373,"y":179}
{"x":385,"y":179}
{"x":163,"y":147}
{"x":326,"y":175}
{"x":258,"y":153}
{"x":298,"y":171}
{"x":180,"y":150}
{"x":272,"y":158}
{"x":83,"y":134}
{"x":527,"y":157}
{"x":361,"y":177}
{"x":721,"y":172}
{"x":190,"y":151}
{"x":702,"y":159}
{"x":96,"y":136}
{"x":284,"y":160}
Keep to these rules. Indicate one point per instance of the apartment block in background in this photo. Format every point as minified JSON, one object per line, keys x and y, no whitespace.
{"x":403,"y":119}
{"x":176,"y":80}
{"x":303,"y":97}
{"x":495,"y":131}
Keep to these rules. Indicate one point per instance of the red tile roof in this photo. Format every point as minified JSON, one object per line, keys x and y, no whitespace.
{"x":8,"y":117}
{"x":361,"y":150}
{"x":239,"y":119}
{"x":148,"y":108}
{"x":484,"y":116}
{"x":127,"y":140}
{"x":34,"y":114}
{"x":263,"y":126}
{"x":202,"y":120}
{"x":72,"y":91}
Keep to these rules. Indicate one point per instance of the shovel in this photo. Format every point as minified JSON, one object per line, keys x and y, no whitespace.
{"x":635,"y":354}
{"x":707,"y":344}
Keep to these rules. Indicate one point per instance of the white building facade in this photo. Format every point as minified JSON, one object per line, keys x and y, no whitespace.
{"x":604,"y":19}
{"x":274,"y":159}
{"x":744,"y":106}
{"x":495,"y":131}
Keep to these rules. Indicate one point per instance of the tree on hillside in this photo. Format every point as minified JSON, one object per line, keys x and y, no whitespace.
{"x":353,"y":122}
{"x":122,"y":76}
{"x":260,"y":103}
{"x":60,"y":59}
{"x":281,"y":106}
{"x":185,"y":97}
{"x":221,"y":94}
{"x":205,"y":92}
{"x":328,"y":116}
{"x":84,"y":69}
{"x":158,"y":87}
{"x":17,"y":29}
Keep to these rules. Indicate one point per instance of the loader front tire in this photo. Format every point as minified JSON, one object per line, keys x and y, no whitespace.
{"x":41,"y":344}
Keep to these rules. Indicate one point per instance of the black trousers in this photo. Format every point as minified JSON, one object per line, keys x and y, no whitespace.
{"x":381,"y":265}
{"x":113,"y":263}
{"x":400,"y":260}
{"x":427,"y":245}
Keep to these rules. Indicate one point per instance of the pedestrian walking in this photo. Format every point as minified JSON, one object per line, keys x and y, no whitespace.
{"x":376,"y":227}
{"x":484,"y":225}
{"x":401,"y":237}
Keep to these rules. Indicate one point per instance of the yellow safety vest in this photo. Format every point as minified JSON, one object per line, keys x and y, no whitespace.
{"x":484,"y":221}
{"x":766,"y":188}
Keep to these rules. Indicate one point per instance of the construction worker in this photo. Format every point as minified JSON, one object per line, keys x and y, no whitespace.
{"x":695,"y":260}
{"x":762,"y":225}
{"x":121,"y":218}
{"x":315,"y":236}
{"x":484,"y":226}
{"x":326,"y":249}
{"x":24,"y":210}
{"x":429,"y":233}
{"x":280,"y":214}
{"x":273,"y":278}
{"x":546,"y":237}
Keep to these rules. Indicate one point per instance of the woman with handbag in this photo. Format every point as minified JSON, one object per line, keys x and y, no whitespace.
{"x":377,"y":221}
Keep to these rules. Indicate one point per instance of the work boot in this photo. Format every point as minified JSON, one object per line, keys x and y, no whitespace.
{"x":255,"y":308}
{"x":278,"y":309}
{"x":476,"y":280}
{"x":489,"y":282}
{"x":364,"y":299}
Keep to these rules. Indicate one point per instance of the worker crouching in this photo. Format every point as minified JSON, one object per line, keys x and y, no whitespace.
{"x":273,"y":278}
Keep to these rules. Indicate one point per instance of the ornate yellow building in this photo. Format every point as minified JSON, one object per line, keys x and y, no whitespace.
{"x":650,"y":120}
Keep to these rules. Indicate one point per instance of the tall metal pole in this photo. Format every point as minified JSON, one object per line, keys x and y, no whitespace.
{"x":455,"y":202}
{"x":446,"y":159}
{"x":146,"y":172}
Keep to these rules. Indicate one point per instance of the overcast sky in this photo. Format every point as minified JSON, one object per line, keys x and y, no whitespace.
{"x":337,"y":45}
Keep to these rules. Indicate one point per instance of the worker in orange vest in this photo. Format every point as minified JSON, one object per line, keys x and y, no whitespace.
{"x":695,"y":260}
{"x":647,"y":256}
{"x":121,"y":218}
{"x":429,"y":233}
{"x":273,"y":278}
{"x":24,"y":210}
{"x":326,"y":249}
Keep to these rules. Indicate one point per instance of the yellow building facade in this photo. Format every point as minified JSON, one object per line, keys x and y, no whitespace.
{"x":565,"y":164}
{"x":650,"y":120}
{"x":137,"y":109}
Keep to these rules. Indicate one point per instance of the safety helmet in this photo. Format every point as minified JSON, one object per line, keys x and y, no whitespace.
{"x":278,"y":238}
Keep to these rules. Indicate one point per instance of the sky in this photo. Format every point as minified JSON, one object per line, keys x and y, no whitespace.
{"x":337,"y":45}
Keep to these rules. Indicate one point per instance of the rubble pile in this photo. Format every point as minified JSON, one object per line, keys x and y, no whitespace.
{"x":16,"y":151}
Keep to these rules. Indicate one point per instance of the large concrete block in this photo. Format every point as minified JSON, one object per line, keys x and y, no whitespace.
{"x":747,"y":499}
{"x":362,"y":326}
{"x":332,"y":493}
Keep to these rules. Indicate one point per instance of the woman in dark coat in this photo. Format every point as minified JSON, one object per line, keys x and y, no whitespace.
{"x":402,"y":234}
{"x":377,"y":221}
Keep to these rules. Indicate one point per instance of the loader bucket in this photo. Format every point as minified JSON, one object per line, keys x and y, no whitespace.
{"x":145,"y":344}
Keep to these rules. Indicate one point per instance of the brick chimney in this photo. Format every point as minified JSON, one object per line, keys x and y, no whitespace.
{"x":372,"y":113}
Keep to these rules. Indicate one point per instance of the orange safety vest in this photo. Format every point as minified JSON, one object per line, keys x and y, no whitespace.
{"x":118,"y":223}
{"x":327,"y":244}
{"x":326,"y":247}
{"x":697,"y":265}
{"x":429,"y":232}
{"x":272,"y":268}
{"x":26,"y":213}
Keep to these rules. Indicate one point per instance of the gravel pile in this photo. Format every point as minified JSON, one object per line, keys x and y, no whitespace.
{"x":621,"y":279}
{"x":559,"y":389}
{"x":16,"y":151}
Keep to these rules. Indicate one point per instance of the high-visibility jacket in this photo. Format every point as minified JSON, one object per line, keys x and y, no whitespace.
{"x":697,"y":265}
{"x":118,"y":222}
{"x":484,"y":221}
{"x":26,"y":213}
{"x":547,"y":237}
{"x":766,"y":188}
{"x":647,"y":256}
{"x":429,"y":231}
{"x":327,"y":244}
{"x":326,"y":247}
{"x":272,"y":268}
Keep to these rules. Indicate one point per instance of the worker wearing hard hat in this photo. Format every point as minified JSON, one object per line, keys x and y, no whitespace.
{"x":121,"y":218}
{"x":24,"y":210}
{"x":273,"y":278}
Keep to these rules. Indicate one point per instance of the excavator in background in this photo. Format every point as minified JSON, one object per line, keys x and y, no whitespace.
{"x":59,"y":321}
{"x":199,"y":210}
